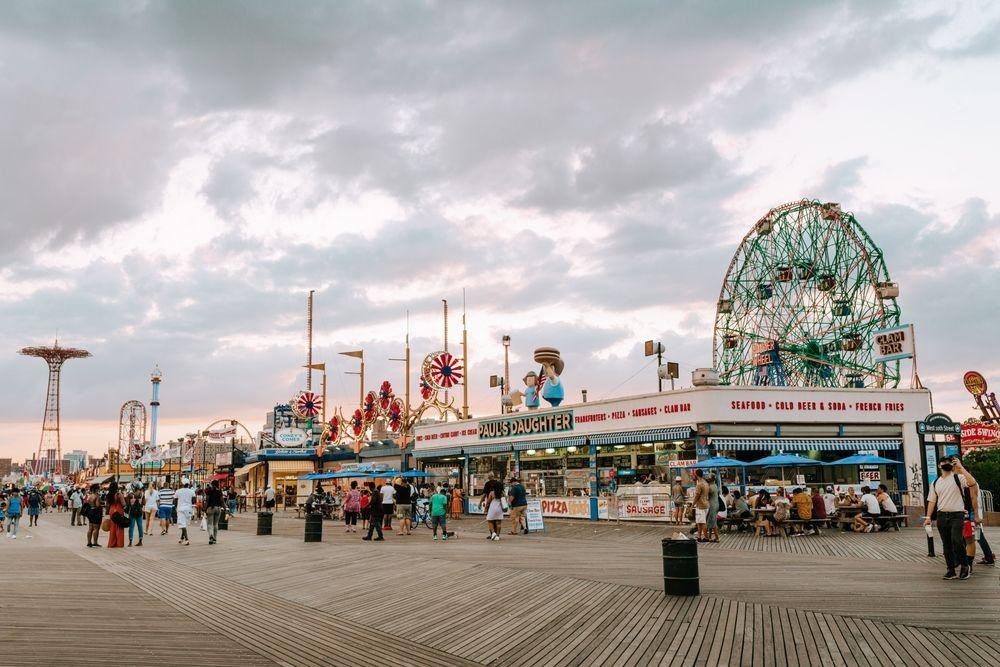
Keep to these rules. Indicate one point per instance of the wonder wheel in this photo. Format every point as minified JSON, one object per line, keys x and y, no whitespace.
{"x":803,"y":295}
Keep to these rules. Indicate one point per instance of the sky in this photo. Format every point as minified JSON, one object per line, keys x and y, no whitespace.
{"x":178,"y":175}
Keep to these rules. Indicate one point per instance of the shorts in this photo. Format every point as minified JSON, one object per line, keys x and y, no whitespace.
{"x":404,"y":512}
{"x":440,"y":520}
{"x":164,"y":512}
{"x":700,"y":515}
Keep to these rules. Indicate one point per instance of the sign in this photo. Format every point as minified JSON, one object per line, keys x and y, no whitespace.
{"x":224,"y":459}
{"x":665,"y":458}
{"x":534,"y":516}
{"x":644,"y":503}
{"x":980,"y":433}
{"x":975,"y":383}
{"x":681,"y":464}
{"x":763,"y":352}
{"x":800,"y":480}
{"x":282,"y":454}
{"x":930,"y":454}
{"x":938,"y":423}
{"x":893,"y":343}
{"x":869,"y":477}
{"x":533,"y":424}
{"x":290,"y":437}
{"x":222,"y":433}
{"x":644,"y":506}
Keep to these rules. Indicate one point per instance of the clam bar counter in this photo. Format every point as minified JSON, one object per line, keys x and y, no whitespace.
{"x":617,"y":458}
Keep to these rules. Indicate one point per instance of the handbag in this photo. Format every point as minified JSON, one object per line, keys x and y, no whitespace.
{"x":967,"y":529}
{"x":120,"y":520}
{"x":106,"y":525}
{"x":204,"y":523}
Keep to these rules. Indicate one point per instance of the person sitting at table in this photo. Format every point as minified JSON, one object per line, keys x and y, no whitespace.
{"x":830,"y":501}
{"x":740,"y":508}
{"x":819,"y":505}
{"x":852,"y":496}
{"x":782,"y":508}
{"x":866,"y":521}
{"x":802,"y":508}
{"x":764,"y":519}
{"x":885,"y":503}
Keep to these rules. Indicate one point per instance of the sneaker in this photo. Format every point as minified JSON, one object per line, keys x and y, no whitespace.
{"x":964,"y":573}
{"x":490,"y":536}
{"x":379,"y":539}
{"x":13,"y":537}
{"x":366,"y":538}
{"x":950,"y":574}
{"x":496,"y":538}
{"x":983,"y":561}
{"x":444,"y":538}
{"x":435,"y":537}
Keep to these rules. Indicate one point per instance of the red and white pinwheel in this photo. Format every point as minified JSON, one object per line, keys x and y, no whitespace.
{"x":335,"y":429}
{"x":307,"y":405}
{"x":358,"y":423}
{"x":370,"y":407}
{"x":394,"y":415}
{"x":442,"y":370}
{"x":384,"y":396}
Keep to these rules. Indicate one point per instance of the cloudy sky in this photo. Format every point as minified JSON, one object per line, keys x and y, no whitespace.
{"x":177,"y":176}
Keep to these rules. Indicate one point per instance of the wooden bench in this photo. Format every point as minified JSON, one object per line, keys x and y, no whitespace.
{"x":788,"y":524}
{"x":300,"y":511}
{"x":894,"y":520}
{"x":739,"y":523}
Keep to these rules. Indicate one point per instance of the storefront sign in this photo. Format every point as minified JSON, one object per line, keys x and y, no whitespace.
{"x":224,"y":459}
{"x":645,"y":507}
{"x":894,"y":343}
{"x":223,"y":433}
{"x":282,"y":454}
{"x":290,"y":437}
{"x":975,"y":383}
{"x":534,"y":516}
{"x":666,"y":458}
{"x":533,"y":424}
{"x":938,"y":423}
{"x":979,"y":433}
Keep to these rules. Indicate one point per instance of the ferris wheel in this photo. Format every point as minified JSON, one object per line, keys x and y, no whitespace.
{"x":803,"y":295}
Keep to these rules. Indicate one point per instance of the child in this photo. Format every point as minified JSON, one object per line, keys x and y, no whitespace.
{"x":366,"y":499}
{"x":439,"y":514}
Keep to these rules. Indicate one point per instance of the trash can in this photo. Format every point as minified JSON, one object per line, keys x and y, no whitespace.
{"x":680,"y":567}
{"x":264,"y":523}
{"x":314,"y":527}
{"x":223,"y":520}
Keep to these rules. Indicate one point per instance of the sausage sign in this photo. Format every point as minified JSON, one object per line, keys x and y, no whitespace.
{"x":892,"y":344}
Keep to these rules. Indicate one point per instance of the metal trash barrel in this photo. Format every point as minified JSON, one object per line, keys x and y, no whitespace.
{"x":314,"y":527}
{"x":264,"y":523}
{"x":223,"y":520}
{"x":680,"y":567}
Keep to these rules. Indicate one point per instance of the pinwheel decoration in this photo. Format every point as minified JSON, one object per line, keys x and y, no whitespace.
{"x":335,"y":428}
{"x":394,"y":415}
{"x":384,"y":396}
{"x":442,"y":370}
{"x":426,"y":391}
{"x":358,"y":423}
{"x":307,"y":405}
{"x":370,"y":407}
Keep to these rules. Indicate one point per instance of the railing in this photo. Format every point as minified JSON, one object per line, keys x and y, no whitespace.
{"x":987,"y":500}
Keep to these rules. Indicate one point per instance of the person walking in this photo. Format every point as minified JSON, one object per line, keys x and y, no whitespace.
{"x":213,"y":510}
{"x":352,"y":507}
{"x":712,"y":517}
{"x":149,"y":507}
{"x":136,"y":501}
{"x":269,"y":499}
{"x":231,"y":499}
{"x":185,"y":510}
{"x":439,"y":513}
{"x":14,"y":507}
{"x":375,"y":509}
{"x":456,"y":502}
{"x":518,"y":499}
{"x":493,"y":493}
{"x":95,"y":513}
{"x":404,"y":508}
{"x":700,"y":502}
{"x":387,"y":494}
{"x":116,"y":506}
{"x":34,"y":501}
{"x":243,"y":500}
{"x":677,"y":496}
{"x":947,"y":503}
{"x":164,"y":507}
{"x":75,"y":505}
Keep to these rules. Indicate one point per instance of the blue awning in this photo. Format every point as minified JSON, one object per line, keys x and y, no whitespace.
{"x":647,"y":435}
{"x":804,"y":444}
{"x":488,"y":448}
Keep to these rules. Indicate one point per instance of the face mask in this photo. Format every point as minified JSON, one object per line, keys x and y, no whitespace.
{"x":946,"y":467}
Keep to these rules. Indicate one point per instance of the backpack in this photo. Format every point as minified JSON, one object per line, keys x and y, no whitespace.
{"x":966,"y":496}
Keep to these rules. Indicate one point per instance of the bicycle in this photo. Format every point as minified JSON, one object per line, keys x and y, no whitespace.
{"x":422,"y":515}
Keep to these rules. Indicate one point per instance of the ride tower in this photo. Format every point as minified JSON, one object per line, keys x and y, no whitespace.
{"x":154,"y":405}
{"x":55,"y":357}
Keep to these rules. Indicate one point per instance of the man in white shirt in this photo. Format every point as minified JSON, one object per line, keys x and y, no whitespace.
{"x":185,"y":510}
{"x":388,"y":497}
{"x":830,"y":501}
{"x":870,"y":511}
{"x":268,"y":498}
{"x":947,"y":496}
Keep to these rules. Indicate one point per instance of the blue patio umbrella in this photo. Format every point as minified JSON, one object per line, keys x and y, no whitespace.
{"x":784,"y":460}
{"x":863,"y":459}
{"x":719,"y":462}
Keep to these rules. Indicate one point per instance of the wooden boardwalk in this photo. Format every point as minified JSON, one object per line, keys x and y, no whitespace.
{"x":579,"y":595}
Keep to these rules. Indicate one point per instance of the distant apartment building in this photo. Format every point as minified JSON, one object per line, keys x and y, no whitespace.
{"x":6,"y":467}
{"x":77,"y":460}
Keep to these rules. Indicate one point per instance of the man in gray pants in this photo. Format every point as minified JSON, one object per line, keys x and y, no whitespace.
{"x":214,"y":504}
{"x":947,"y":496}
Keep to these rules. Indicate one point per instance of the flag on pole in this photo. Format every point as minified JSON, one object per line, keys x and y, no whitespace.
{"x":357,"y":354}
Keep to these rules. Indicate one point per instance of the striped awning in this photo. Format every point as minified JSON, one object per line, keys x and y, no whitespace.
{"x":436,"y":453}
{"x":647,"y":435}
{"x":488,"y":448}
{"x":575,"y":441}
{"x":803,"y":444}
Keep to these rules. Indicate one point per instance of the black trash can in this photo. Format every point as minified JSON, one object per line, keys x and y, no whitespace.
{"x":264,"y":523}
{"x":314,"y":527}
{"x":680,"y":567}
{"x":223,"y":520}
